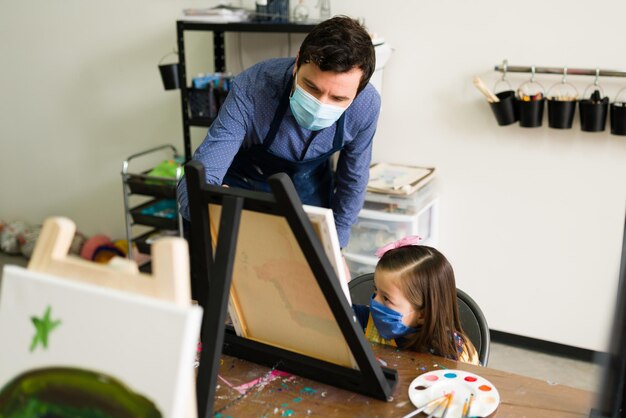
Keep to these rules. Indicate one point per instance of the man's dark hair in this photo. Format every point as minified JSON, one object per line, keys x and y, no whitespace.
{"x":339,"y":44}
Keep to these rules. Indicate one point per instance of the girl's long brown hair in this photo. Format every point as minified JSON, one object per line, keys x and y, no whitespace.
{"x":427,"y":281}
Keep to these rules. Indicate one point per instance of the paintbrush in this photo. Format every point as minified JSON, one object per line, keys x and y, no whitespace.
{"x":439,"y":405}
{"x":445,"y":411}
{"x":429,"y":403}
{"x":467,"y":406}
{"x":491,"y":98}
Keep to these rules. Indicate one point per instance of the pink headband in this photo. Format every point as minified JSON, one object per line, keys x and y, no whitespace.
{"x":402,"y":242}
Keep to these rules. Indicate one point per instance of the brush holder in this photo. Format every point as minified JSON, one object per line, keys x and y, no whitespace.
{"x":561,"y":113}
{"x":505,"y":110}
{"x":593,"y":109}
{"x":562,"y":98}
{"x":618,"y":114}
{"x":169,"y":72}
{"x":531,"y":101}
{"x":169,"y":76}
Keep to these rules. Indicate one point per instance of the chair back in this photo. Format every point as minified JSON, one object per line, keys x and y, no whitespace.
{"x":473,"y":320}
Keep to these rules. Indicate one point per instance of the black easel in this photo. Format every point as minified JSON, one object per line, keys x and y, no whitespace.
{"x":215,"y":274}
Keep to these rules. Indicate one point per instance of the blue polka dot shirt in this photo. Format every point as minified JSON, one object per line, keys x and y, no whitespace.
{"x":244,"y":119}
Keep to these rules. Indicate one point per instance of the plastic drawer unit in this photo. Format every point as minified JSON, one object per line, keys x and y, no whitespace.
{"x":385,"y":219}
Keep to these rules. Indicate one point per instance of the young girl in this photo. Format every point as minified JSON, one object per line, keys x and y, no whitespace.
{"x":415,"y":304}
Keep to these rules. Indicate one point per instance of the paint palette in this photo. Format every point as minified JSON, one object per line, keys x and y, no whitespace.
{"x":433,"y":385}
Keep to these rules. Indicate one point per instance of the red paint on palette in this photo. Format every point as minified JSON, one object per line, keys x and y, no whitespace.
{"x":470,"y":378}
{"x":485,"y":388}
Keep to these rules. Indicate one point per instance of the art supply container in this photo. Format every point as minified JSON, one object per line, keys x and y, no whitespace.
{"x":169,"y":73}
{"x":505,"y":110}
{"x":531,"y":100}
{"x":593,"y":109}
{"x":618,"y":113}
{"x":562,"y":98}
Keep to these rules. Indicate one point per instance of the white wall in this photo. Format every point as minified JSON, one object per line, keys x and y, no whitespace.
{"x":531,"y":218}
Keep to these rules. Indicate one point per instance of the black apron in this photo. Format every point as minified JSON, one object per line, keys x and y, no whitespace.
{"x":313,"y":179}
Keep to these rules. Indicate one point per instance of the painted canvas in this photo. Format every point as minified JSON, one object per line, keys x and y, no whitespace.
{"x":274,"y":294}
{"x":72,"y":349}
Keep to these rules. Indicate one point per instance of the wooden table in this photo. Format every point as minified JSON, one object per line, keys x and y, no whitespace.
{"x":249,"y":390}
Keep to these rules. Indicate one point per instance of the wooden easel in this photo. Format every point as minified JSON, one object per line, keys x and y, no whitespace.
{"x":169,"y":281}
{"x":214,"y":275}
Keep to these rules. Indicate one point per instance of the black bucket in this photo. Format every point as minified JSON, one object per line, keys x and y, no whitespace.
{"x":593,"y":115}
{"x":618,"y":118}
{"x":169,"y":75}
{"x":505,"y":110}
{"x":561,"y":113}
{"x":531,"y":113}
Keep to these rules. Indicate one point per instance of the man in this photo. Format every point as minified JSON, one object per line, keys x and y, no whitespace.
{"x":286,"y":115}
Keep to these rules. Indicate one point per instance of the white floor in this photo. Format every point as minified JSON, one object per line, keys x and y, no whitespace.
{"x":553,"y":369}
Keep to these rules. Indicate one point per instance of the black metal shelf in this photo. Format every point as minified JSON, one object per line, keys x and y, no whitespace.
{"x":218,"y":30}
{"x":249,"y":26}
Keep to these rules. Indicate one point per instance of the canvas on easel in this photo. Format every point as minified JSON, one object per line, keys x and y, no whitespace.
{"x":252,"y":238}
{"x":291,"y":303}
{"x":76,"y":348}
{"x":267,"y":304}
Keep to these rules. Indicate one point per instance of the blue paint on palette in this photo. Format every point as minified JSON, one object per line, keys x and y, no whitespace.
{"x":296,"y":400}
{"x":308,"y":390}
{"x":450,"y":375}
{"x":288,"y":413}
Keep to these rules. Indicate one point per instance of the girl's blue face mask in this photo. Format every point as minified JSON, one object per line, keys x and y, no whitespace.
{"x":387,"y":321}
{"x":309,"y":112}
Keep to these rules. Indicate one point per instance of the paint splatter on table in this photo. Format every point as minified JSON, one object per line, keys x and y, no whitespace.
{"x":257,"y":391}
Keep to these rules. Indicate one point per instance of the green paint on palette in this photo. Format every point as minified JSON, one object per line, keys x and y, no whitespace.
{"x":308,"y":390}
{"x":284,"y":405}
{"x":296,"y":400}
{"x":288,"y":413}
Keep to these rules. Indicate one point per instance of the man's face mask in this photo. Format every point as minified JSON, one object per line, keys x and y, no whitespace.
{"x":387,"y":321}
{"x":309,"y":112}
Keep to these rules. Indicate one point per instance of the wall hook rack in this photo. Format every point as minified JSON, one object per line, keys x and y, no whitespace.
{"x":598,"y":72}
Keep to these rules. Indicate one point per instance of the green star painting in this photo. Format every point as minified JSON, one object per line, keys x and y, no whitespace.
{"x":43,"y":327}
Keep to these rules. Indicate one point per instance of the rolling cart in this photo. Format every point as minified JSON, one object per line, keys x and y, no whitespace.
{"x":157,"y":212}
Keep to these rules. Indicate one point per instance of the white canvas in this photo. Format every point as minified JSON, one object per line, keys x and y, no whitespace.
{"x":147,"y":344}
{"x":323,"y":220}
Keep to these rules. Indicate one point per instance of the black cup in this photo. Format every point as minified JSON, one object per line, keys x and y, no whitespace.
{"x":531,"y":113}
{"x":593,"y":115}
{"x":505,"y":110}
{"x":561,"y":113}
{"x":618,"y":119}
{"x":169,"y":75}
